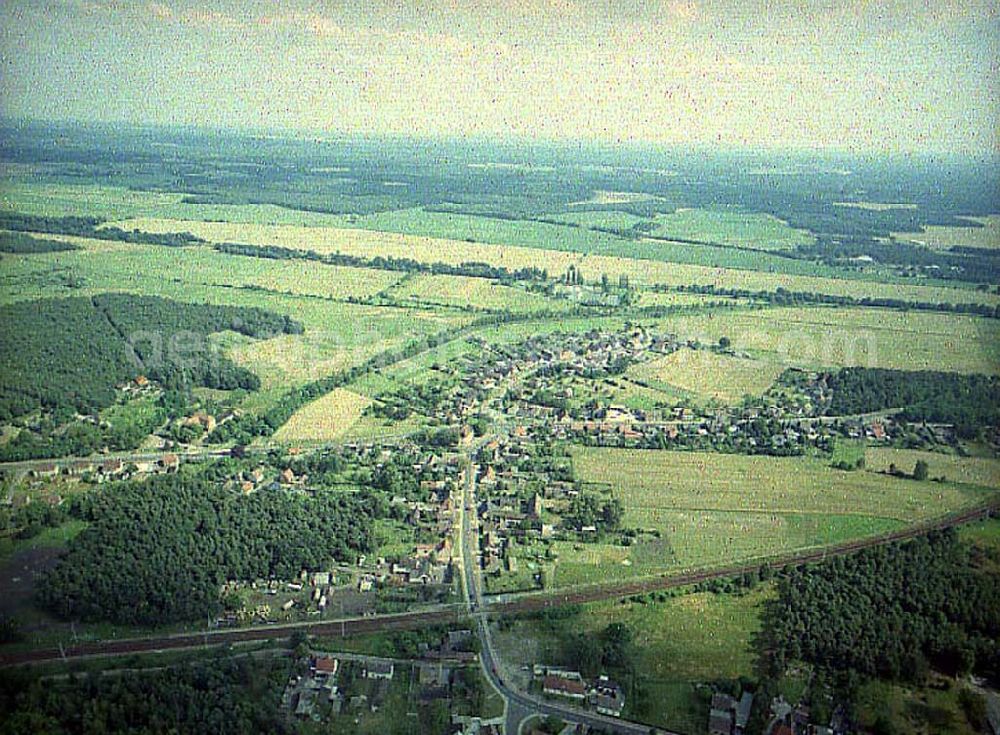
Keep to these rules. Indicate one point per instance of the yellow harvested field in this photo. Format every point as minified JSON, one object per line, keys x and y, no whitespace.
{"x":291,"y":359}
{"x":708,"y":374}
{"x":983,"y":471}
{"x":369,"y":243}
{"x":324,"y":419}
{"x":652,"y":483}
{"x":821,"y":337}
{"x":942,"y":238}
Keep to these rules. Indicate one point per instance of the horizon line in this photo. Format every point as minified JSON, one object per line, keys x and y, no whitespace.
{"x":512,"y":139}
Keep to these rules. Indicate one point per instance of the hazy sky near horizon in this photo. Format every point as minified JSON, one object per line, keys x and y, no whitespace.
{"x":859,"y":74}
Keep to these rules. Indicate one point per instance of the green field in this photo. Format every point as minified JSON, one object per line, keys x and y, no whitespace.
{"x":711,"y":227}
{"x":101,"y":261}
{"x":712,"y":509}
{"x":649,"y":482}
{"x":605,"y":219}
{"x":679,"y":642}
{"x":337,"y":334}
{"x":48,"y":538}
{"x":708,"y":375}
{"x":928,"y":710}
{"x":752,"y":230}
{"x":981,"y":471}
{"x":429,"y":244}
{"x":821,"y":337}
{"x":116,"y":203}
{"x":985,"y":534}
{"x":943,"y":238}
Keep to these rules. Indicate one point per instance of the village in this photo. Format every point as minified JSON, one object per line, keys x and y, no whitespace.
{"x":523,"y":473}
{"x":442,"y":673}
{"x":527,"y":509}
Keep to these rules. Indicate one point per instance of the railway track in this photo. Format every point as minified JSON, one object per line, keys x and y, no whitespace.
{"x":124,"y":647}
{"x":538,"y":601}
{"x":526,"y":603}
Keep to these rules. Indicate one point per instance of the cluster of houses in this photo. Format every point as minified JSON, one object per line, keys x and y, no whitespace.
{"x":786,"y":719}
{"x":311,"y":694}
{"x":102,"y":470}
{"x":310,"y":593}
{"x":351,"y":684}
{"x":536,"y":360}
{"x":751,"y":433}
{"x":427,"y":564}
{"x":544,"y":368}
{"x":728,"y":715}
{"x":304,"y":692}
{"x":601,"y":694}
{"x":515,"y":489}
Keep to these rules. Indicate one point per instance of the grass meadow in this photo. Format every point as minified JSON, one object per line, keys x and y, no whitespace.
{"x":714,"y":509}
{"x":708,"y":375}
{"x":751,"y":230}
{"x":980,"y":471}
{"x":943,"y":238}
{"x":679,"y":643}
{"x":461,"y":291}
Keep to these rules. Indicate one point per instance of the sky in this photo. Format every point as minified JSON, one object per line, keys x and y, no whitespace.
{"x":900,"y":75}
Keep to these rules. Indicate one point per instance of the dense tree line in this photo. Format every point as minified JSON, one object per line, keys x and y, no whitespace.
{"x":91,"y":227}
{"x":67,"y":355}
{"x":406,"y":265}
{"x":969,"y":264}
{"x":612,"y":649}
{"x":589,"y":509}
{"x":891,"y":611}
{"x":226,"y":695}
{"x":157,"y":551}
{"x":968,"y":401}
{"x":784,"y":297}
{"x":24,"y":244}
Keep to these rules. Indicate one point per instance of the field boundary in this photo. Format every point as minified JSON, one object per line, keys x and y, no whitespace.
{"x":599,"y":591}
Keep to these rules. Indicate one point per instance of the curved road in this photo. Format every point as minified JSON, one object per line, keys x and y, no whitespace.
{"x":519,"y":706}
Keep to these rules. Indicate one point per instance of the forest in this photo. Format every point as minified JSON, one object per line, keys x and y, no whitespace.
{"x":784,"y":297}
{"x":24,"y":244}
{"x":973,"y":265}
{"x":230,"y":695}
{"x":68,"y":355}
{"x":891,"y":611}
{"x":156,"y":552}
{"x":970,"y":402}
{"x":91,"y":227}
